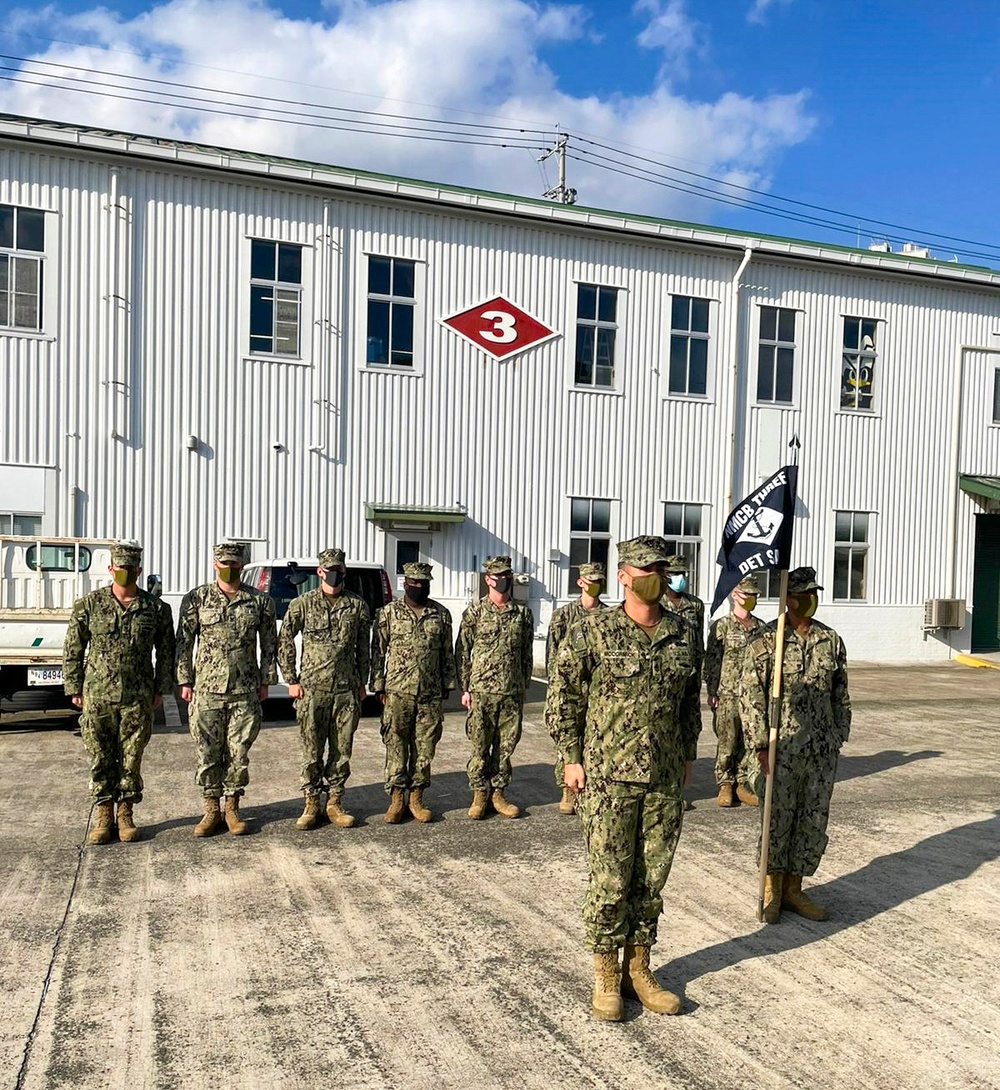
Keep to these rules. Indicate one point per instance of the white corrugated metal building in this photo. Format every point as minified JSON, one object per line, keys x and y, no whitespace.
{"x":198,"y":343}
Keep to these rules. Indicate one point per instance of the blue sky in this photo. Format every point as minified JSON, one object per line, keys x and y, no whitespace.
{"x":881,"y":111}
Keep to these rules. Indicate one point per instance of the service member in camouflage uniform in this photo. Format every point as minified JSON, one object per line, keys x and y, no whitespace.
{"x":224,"y":681}
{"x":815,"y":722}
{"x":413,"y":668}
{"x":593,"y":579}
{"x":623,"y":706}
{"x":494,"y":659}
{"x":735,"y":767}
{"x":330,"y":685}
{"x":108,"y":671}
{"x":676,"y":597}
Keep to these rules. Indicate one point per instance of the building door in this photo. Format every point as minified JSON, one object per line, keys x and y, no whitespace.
{"x":986,"y":585}
{"x":403,"y":547}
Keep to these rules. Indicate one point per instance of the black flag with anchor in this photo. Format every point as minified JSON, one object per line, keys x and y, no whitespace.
{"x":758,"y":532}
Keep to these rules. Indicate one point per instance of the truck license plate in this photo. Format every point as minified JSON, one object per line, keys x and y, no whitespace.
{"x":45,"y":675}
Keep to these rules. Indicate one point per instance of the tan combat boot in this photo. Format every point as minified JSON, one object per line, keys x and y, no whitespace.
{"x":567,"y":804}
{"x":503,"y":807}
{"x":127,"y":832}
{"x":480,"y":801}
{"x":236,"y":825}
{"x":397,"y":806}
{"x":310,"y":813}
{"x":337,"y":814}
{"x":101,"y":829}
{"x":639,"y":983}
{"x":607,"y":1002}
{"x":417,"y":808}
{"x":745,"y":795}
{"x":726,"y":795}
{"x":212,"y":821}
{"x":772,"y":897}
{"x":795,"y":900}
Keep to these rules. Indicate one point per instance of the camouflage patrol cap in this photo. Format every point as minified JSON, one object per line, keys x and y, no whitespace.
{"x":496,"y":565}
{"x":802,"y":580}
{"x":593,"y":573}
{"x":677,"y":563}
{"x":231,"y":552}
{"x":640,"y":552}
{"x":331,"y":558}
{"x":417,"y":571}
{"x":126,"y":554}
{"x":749,"y":584}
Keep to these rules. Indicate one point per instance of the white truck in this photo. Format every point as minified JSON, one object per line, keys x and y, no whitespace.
{"x":40,"y":579}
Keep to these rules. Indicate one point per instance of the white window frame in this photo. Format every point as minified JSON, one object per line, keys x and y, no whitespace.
{"x":874,"y":357}
{"x":304,"y":355}
{"x":596,"y":323}
{"x":7,"y":523}
{"x":589,"y":535}
{"x":419,"y":314}
{"x":687,"y":544}
{"x":854,"y":548}
{"x":777,"y":344}
{"x":710,"y":337}
{"x":43,"y":287}
{"x":996,"y":395}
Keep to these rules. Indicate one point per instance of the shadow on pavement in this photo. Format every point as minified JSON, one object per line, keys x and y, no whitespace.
{"x":848,"y":768}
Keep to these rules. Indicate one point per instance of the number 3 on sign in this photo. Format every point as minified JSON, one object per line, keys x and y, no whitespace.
{"x":504,"y":326}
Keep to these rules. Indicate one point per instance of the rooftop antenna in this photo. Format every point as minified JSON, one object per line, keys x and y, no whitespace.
{"x":559,"y":192}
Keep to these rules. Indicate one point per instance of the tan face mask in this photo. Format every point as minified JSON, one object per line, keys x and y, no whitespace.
{"x":647,"y":588}
{"x":229,"y":574}
{"x":750,"y":603}
{"x":124,"y":577}
{"x":806,"y":605}
{"x":592,"y":589}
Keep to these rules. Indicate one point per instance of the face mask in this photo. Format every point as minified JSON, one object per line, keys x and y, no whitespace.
{"x":806,"y":605}
{"x":229,"y":574}
{"x":418,"y":594}
{"x":333,"y":577}
{"x":502,"y":584}
{"x":749,"y":602}
{"x":124,"y":577}
{"x":592,"y":590}
{"x":647,"y":588}
{"x":678,"y":583}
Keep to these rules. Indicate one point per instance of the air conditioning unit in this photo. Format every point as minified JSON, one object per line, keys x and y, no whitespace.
{"x":944,"y":613}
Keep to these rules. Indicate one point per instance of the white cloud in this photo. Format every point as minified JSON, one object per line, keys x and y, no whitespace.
{"x":760,"y":8}
{"x":673,"y":31}
{"x":432,"y":58}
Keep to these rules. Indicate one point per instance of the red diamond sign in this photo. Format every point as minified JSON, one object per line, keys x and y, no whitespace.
{"x":499,"y":328}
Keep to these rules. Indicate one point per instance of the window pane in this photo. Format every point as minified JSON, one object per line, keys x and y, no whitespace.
{"x":869,"y":329}
{"x":841,"y":566}
{"x":605,"y":356}
{"x":57,"y":558}
{"x":678,"y":364}
{"x":378,"y":332}
{"x":866,"y":384}
{"x":680,"y":310}
{"x":27,"y":525}
{"x":261,"y":312}
{"x":851,"y":333}
{"x":579,"y":552}
{"x":7,"y":227}
{"x":402,"y":279}
{"x":692,"y":520}
{"x":859,"y":560}
{"x":30,"y":229}
{"x":599,"y":550}
{"x":579,"y":515}
{"x":600,"y":518}
{"x":4,"y":308}
{"x":586,"y":301}
{"x":262,"y":260}
{"x":698,"y":380}
{"x":768,"y":323}
{"x":996,"y":396}
{"x":287,"y":322}
{"x":860,"y":527}
{"x":379,"y":273}
{"x":290,"y":264}
{"x":407,"y":552}
{"x":608,"y":304}
{"x":402,"y":327}
{"x":699,"y":315}
{"x":842,"y":526}
{"x":786,"y":326}
{"x":673,"y":519}
{"x":584,"y":354}
{"x":26,"y":311}
{"x":25,"y":274}
{"x":765,"y":373}
{"x":783,"y":375}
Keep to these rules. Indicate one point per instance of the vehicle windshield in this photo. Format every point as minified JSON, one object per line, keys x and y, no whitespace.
{"x":288,"y":582}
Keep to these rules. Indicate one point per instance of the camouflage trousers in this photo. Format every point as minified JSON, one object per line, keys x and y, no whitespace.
{"x":493,"y":727}
{"x":116,"y":736}
{"x":224,"y":727}
{"x":327,"y":722}
{"x":411,"y":730}
{"x":733,"y":764}
{"x":560,"y":771}
{"x":800,"y":810}
{"x":631,"y":831}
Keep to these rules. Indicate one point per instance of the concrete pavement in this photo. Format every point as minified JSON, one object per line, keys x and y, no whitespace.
{"x":449,"y":955}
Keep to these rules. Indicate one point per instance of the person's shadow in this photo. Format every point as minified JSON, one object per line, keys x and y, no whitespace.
{"x":885,"y":883}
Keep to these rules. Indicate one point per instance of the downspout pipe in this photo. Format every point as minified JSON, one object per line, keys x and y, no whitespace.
{"x":734,"y":347}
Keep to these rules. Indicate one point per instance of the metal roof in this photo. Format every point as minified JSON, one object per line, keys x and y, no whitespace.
{"x":280,"y":168}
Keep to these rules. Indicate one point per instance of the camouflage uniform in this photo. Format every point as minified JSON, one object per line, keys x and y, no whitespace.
{"x":561,"y":622}
{"x":335,"y":659}
{"x":494,"y":659}
{"x":625,"y":706}
{"x":413,"y":664}
{"x":815,"y":722}
{"x":107,"y":657}
{"x":689,"y":607}
{"x":225,"y":673}
{"x":727,"y":642}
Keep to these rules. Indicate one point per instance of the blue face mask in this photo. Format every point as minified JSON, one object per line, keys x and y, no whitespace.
{"x":678,"y":583}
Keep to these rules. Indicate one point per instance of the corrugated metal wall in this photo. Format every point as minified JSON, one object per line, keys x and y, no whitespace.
{"x":147,"y":345}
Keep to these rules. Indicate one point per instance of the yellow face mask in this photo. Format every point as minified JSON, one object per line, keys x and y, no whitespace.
{"x":750,"y":602}
{"x":124,"y":577}
{"x":592,"y":589}
{"x":648,"y":588}
{"x":806,"y":605}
